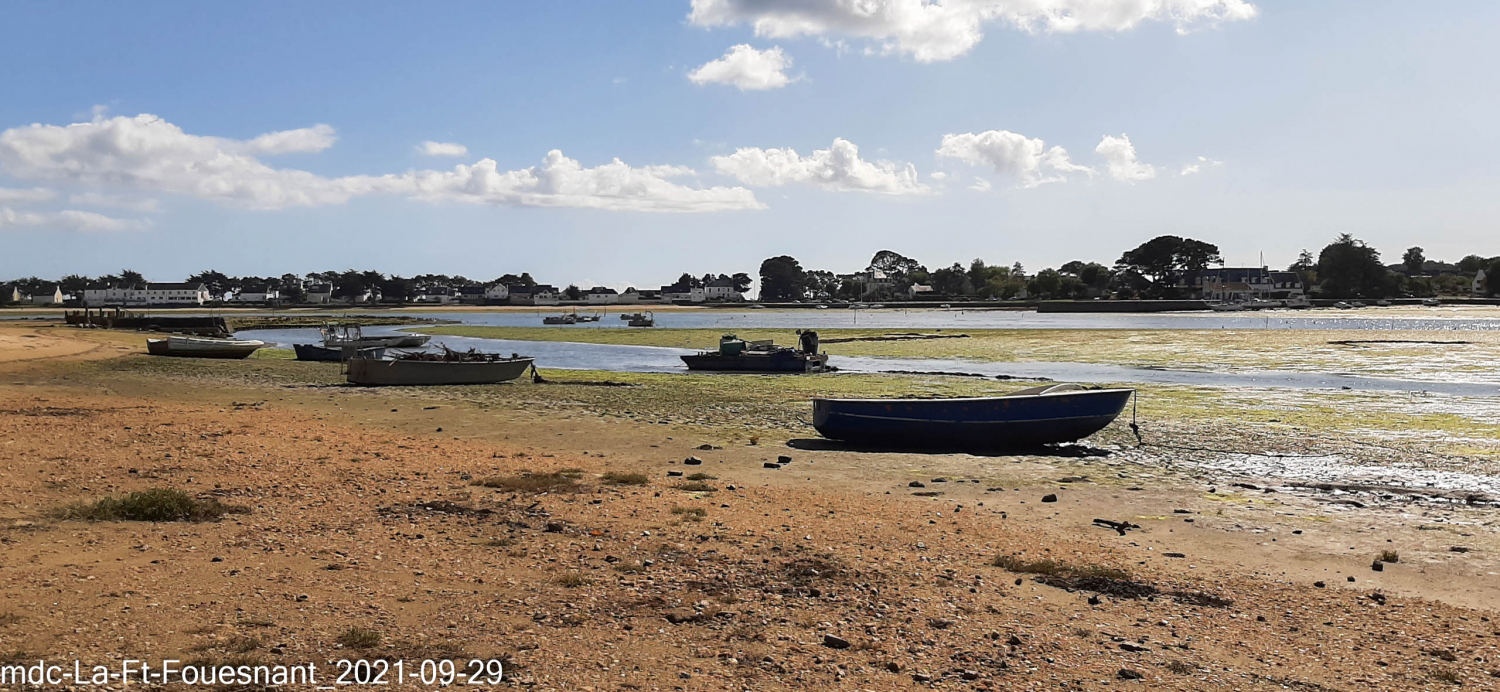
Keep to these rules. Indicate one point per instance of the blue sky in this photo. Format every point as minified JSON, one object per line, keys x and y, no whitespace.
{"x":1312,"y":119}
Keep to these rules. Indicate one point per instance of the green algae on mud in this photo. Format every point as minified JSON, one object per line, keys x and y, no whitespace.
{"x":1303,"y":350}
{"x":1394,"y":427}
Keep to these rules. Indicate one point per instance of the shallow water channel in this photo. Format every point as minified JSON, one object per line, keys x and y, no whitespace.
{"x":616,"y":358}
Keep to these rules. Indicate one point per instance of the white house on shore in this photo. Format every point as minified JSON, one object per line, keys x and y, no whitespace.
{"x":539,"y":294}
{"x":672,"y":294}
{"x":602,"y":295}
{"x":165,"y":295}
{"x":498,"y":293}
{"x":258,"y":294}
{"x":318,"y":294}
{"x":1248,"y":283}
{"x":44,"y":297}
{"x":721,"y":290}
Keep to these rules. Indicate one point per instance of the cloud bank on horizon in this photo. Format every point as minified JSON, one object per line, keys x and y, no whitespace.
{"x":150,"y":155}
{"x":147,"y":155}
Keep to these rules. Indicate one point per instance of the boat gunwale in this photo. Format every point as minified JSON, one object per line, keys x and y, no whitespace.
{"x":981,"y":398}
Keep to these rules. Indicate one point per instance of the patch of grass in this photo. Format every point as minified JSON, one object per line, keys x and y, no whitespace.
{"x":690,"y":511}
{"x":1181,"y":667}
{"x":630,"y":567}
{"x":617,"y":478}
{"x":243,"y":645}
{"x":695,"y":487}
{"x":803,"y":571}
{"x":1447,"y":675}
{"x":9,"y":618}
{"x":359,"y":638}
{"x":555,"y":482}
{"x":745,"y":633}
{"x":505,"y":542}
{"x":1388,"y":556}
{"x":156,"y":504}
{"x":574,"y":580}
{"x":1105,"y":580}
{"x":701,"y":477}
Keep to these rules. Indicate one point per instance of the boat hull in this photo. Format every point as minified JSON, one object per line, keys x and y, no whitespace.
{"x":990,"y":422}
{"x":783,"y":361}
{"x":313,"y":352}
{"x":368,"y":371}
{"x":187,"y":347}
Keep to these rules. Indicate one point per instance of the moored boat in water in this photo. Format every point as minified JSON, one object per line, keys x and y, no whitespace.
{"x":200,"y":347}
{"x":1027,"y":418}
{"x":446,"y":368}
{"x":737,"y":355}
{"x":349,"y":335}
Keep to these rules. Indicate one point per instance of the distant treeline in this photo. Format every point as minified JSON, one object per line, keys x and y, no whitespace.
{"x":1163,"y":267}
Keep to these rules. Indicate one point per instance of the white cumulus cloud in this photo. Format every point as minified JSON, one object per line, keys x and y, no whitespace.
{"x":1197,"y":167}
{"x":35,"y":194}
{"x":1026,"y":159}
{"x":430,"y":148}
{"x":307,"y":140}
{"x":747,"y":69}
{"x":1120,"y":155}
{"x":564,"y":182}
{"x":149,"y":154}
{"x":839,"y":167}
{"x":69,"y":220}
{"x":932,"y":31}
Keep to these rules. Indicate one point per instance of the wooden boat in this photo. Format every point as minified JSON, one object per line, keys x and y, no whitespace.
{"x":565,"y":318}
{"x":646,"y":319}
{"x":631,"y":316}
{"x":323,"y":353}
{"x":200,"y":347}
{"x":1027,"y":418}
{"x":341,"y":336}
{"x":447,"y":368}
{"x":738,"y":355}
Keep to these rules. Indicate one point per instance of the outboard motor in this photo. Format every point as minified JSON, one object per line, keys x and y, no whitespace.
{"x":809,"y":342}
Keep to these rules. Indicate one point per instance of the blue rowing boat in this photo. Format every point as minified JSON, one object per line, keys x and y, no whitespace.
{"x":1028,"y":418}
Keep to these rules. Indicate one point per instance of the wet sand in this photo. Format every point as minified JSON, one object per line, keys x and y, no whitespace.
{"x":362,"y":512}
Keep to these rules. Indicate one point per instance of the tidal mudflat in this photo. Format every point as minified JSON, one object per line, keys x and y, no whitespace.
{"x":559,"y":526}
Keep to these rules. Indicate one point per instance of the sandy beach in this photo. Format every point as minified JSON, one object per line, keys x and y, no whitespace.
{"x":560,"y":528}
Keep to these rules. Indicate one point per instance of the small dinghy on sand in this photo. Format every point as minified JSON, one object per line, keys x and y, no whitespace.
{"x":201,"y":347}
{"x":448,"y":367}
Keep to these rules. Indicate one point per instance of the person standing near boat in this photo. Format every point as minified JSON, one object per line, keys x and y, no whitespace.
{"x":808,"y":341}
